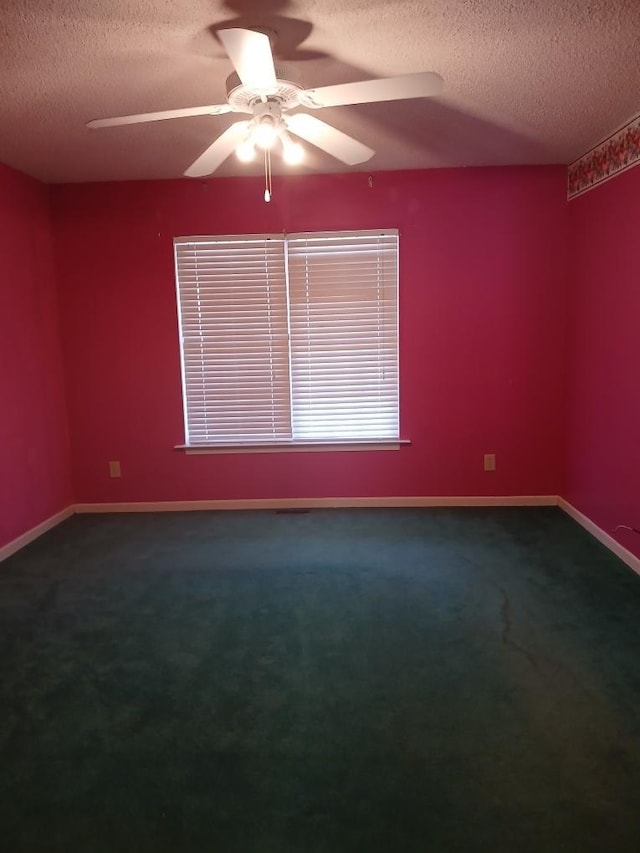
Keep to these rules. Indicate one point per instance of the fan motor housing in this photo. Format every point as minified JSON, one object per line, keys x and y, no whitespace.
{"x":286,"y":93}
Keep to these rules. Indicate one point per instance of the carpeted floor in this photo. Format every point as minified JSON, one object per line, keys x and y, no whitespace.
{"x":442,"y":681}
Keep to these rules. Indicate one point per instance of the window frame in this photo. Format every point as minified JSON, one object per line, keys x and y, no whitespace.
{"x":292,"y":444}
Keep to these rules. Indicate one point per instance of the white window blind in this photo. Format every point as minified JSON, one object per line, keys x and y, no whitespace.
{"x":289,"y":339}
{"x":344,"y":347}
{"x":234,"y":332}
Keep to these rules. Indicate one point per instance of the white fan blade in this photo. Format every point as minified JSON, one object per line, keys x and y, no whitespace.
{"x":213,"y":110}
{"x":329,"y":139}
{"x":369,"y":91}
{"x":250,"y":53}
{"x":210,"y":159}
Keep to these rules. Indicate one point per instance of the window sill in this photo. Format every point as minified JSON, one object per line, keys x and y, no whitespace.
{"x":290,"y":447}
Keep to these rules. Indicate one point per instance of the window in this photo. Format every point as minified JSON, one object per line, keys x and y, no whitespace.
{"x":289,"y":339}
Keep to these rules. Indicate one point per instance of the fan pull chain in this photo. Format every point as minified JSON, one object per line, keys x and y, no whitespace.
{"x":267,"y":174}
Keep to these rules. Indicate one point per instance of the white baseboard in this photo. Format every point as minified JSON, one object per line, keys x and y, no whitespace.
{"x":328,"y":503}
{"x":16,"y":544}
{"x":274,"y":503}
{"x":601,"y":535}
{"x":319,"y":503}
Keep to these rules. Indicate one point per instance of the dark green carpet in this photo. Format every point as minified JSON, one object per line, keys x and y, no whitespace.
{"x":358,"y":680}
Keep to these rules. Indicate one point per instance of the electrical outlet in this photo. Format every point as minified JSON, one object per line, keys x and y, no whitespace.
{"x":114,"y":469}
{"x":489,"y":461}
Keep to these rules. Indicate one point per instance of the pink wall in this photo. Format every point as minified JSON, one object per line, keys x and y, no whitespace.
{"x":603,"y":423}
{"x":482,"y":331}
{"x":35,"y":480}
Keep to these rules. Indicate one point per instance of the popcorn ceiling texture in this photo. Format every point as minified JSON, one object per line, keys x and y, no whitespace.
{"x":526,"y":81}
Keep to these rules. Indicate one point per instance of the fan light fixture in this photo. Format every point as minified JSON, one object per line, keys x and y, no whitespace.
{"x":264,"y":135}
{"x":265,"y":130}
{"x":246,"y":152}
{"x":292,"y":153}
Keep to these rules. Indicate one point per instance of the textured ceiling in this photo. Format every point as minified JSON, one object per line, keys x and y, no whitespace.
{"x":526,"y":81}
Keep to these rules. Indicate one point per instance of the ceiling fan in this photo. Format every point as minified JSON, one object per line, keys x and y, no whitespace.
{"x":264,"y":92}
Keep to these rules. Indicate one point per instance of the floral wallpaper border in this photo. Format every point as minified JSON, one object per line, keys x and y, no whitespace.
{"x":619,"y":152}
